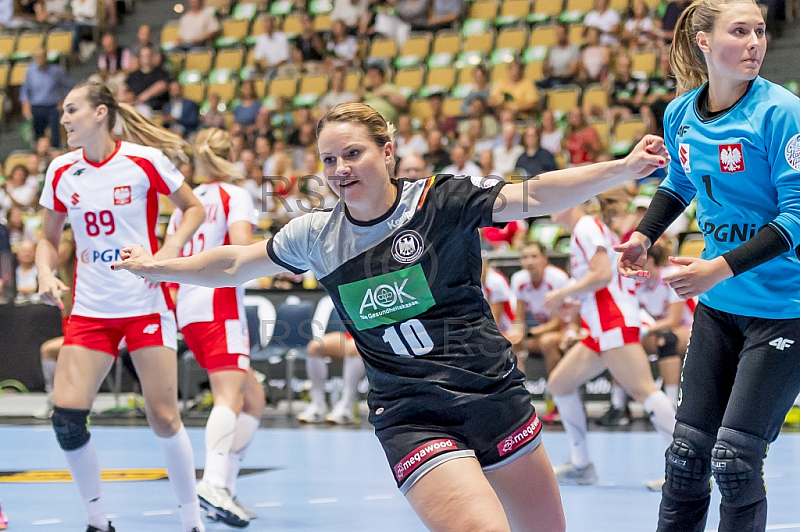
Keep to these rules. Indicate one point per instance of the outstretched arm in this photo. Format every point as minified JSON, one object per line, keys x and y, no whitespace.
{"x":219,"y":266}
{"x":555,"y":191}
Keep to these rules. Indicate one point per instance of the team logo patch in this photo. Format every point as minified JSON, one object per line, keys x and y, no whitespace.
{"x":683,"y":155}
{"x":483,"y":182}
{"x":75,"y":198}
{"x":151,"y":329}
{"x":792,"y":152}
{"x":521,"y":436}
{"x":407,"y":247}
{"x":420,"y":455}
{"x":731,"y":158}
{"x":122,"y":195}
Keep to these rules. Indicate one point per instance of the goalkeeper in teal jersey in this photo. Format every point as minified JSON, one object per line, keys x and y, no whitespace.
{"x":734,"y":139}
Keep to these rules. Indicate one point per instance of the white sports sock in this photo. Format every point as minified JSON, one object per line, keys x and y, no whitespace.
{"x":574,"y":419}
{"x":662,"y":414}
{"x":49,"y":372}
{"x":317,"y":370}
{"x":672,"y":393}
{"x":352,"y":372}
{"x":246,"y":427}
{"x":219,"y":437}
{"x":85,"y":470}
{"x":619,"y":397}
{"x":177,"y":451}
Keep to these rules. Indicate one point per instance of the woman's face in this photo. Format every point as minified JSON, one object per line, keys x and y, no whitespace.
{"x":531,"y":138}
{"x":80,"y":121}
{"x":735,"y":48}
{"x":356,"y":169}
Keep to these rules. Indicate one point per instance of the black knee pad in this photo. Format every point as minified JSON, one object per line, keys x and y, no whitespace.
{"x":688,"y":472}
{"x":71,"y":427}
{"x":737,"y":462}
{"x":667,"y":344}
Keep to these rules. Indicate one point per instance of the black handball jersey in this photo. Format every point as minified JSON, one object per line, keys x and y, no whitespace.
{"x":408,"y":286}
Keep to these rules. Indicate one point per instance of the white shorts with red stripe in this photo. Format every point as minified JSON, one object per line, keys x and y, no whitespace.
{"x":611,"y":319}
{"x":105,"y":334}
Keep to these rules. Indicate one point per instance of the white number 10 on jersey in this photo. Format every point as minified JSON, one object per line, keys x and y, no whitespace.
{"x":415,"y":342}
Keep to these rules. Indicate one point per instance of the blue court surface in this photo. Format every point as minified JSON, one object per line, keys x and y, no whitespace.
{"x":335,"y":479}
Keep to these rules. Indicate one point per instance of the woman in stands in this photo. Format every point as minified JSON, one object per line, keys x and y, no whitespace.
{"x":735,"y":137}
{"x":610,"y":312}
{"x":401,"y":260}
{"x":215,"y":328}
{"x":108,"y":189}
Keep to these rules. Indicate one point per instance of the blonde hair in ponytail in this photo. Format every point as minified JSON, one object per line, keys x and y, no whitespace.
{"x":685,"y":57}
{"x":212,"y":148}
{"x":136,"y":128}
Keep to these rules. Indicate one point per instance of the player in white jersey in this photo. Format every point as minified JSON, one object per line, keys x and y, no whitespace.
{"x":667,"y":335}
{"x":108,"y":189}
{"x":529,"y":286}
{"x":497,"y":292}
{"x":215,"y":329}
{"x":610,"y":311}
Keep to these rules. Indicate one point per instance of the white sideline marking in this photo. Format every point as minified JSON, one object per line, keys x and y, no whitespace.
{"x":323,"y":501}
{"x":268,"y":504}
{"x":46,"y":522}
{"x":157,"y":512}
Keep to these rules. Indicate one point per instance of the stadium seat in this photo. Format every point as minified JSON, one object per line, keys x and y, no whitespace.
{"x":320,"y":7}
{"x":483,"y":42}
{"x":17,"y":76}
{"x":382,"y":48}
{"x":603,"y":128}
{"x":280,"y":8}
{"x":692,"y":245}
{"x":195,"y":92}
{"x":245,"y":11}
{"x":483,"y":10}
{"x":447,"y":41}
{"x":563,"y":99}
{"x":222,"y":82}
{"x":15,"y":158}
{"x":221,"y":7}
{"x":59,"y":42}
{"x":352,"y":81}
{"x":4,"y":70}
{"x":7,"y":43}
{"x":443,"y":77}
{"x":626,"y":132}
{"x":27,"y":44}
{"x":595,"y":94}
{"x":409,"y":80}
{"x":286,"y":87}
{"x":414,"y":50}
{"x":499,"y":73}
{"x":512,"y":11}
{"x":169,"y":35}
{"x":234,"y":28}
{"x":534,"y":71}
{"x":543,"y":36}
{"x":323,"y":23}
{"x":643,"y":62}
{"x":544,"y":10}
{"x":292,"y":25}
{"x":230,"y":58}
{"x":576,"y":35}
{"x":198,"y":60}
{"x":452,"y":107}
{"x":419,"y":109}
{"x":513,"y":38}
{"x":620,"y":6}
{"x":580,"y":7}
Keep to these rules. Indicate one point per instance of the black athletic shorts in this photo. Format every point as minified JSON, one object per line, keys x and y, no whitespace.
{"x":496,"y":429}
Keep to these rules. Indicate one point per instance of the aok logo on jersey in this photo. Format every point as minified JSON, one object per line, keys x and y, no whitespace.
{"x":387,"y":298}
{"x":89,"y":256}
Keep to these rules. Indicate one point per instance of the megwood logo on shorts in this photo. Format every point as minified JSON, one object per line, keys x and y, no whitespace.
{"x":523,"y":435}
{"x":420,"y":455}
{"x":387,"y":298}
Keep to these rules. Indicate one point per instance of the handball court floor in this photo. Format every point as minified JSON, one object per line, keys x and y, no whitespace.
{"x":333,"y":479}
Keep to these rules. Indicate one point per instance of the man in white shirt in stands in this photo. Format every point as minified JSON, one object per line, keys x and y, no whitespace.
{"x":197,"y":26}
{"x":271,"y":48}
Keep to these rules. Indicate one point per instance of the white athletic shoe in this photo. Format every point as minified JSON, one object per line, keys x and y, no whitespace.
{"x":313,"y":413}
{"x":342,"y":414}
{"x":249,"y":511}
{"x":217,"y":500}
{"x":570,"y":475}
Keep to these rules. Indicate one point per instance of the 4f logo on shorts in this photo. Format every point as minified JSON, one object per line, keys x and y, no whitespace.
{"x":151,"y":329}
{"x":122,"y":195}
{"x":780,"y":343}
{"x":731,"y":158}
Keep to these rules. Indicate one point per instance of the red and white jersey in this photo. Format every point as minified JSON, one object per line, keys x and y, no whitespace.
{"x":533,"y":296}
{"x":497,"y":290}
{"x":110,"y":205}
{"x":225,"y":204}
{"x":656,"y":296}
{"x":615,"y":306}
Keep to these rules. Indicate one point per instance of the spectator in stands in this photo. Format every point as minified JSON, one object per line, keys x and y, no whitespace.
{"x":445,"y":123}
{"x":382,"y":96}
{"x":385,"y":22}
{"x":263,"y":150}
{"x":515,"y":93}
{"x":407,"y":139}
{"x":461,"y":164}
{"x":129,"y":97}
{"x":84,"y":16}
{"x":341,"y":48}
{"x":17,"y":229}
{"x":508,"y":152}
{"x":44,"y":151}
{"x":480,"y":88}
{"x":479,"y":139}
{"x":114,"y":62}
{"x":44,"y":87}
{"x":197,"y":27}
{"x":563,"y":61}
{"x":412,"y":166}
{"x":6,"y":267}
{"x":534,"y":160}
{"x":437,"y":156}
{"x":551,"y":134}
{"x":26,"y":274}
{"x":145,"y":39}
{"x":22,"y":190}
{"x":486,"y":162}
{"x":211,"y":116}
{"x":35,"y":171}
{"x":414,"y":13}
{"x":249,"y":106}
{"x":479,"y":110}
{"x":626,"y":93}
{"x":148,"y":83}
{"x":5,"y":205}
{"x":580,"y":139}
{"x":444,"y":13}
{"x":337,"y":93}
{"x":606,"y":20}
{"x":181,"y":115}
{"x":661,"y":89}
{"x":594,"y":58}
{"x":639,"y":29}
{"x":670,"y":18}
{"x":349,"y":12}
{"x":271,"y":50}
{"x":309,"y":43}
{"x":303,"y":138}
